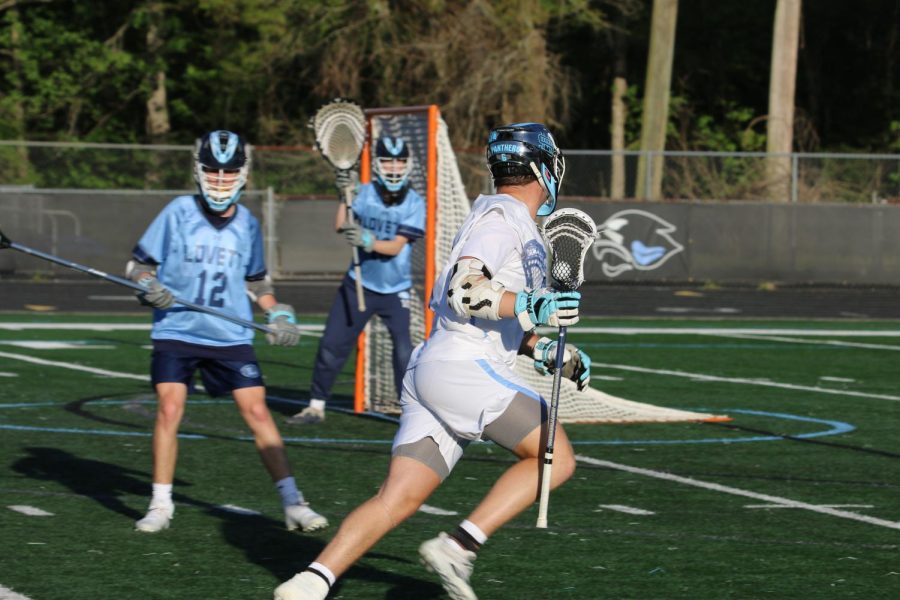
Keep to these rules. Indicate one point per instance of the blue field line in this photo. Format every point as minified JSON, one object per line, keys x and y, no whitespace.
{"x":185,"y":436}
{"x":835,"y":428}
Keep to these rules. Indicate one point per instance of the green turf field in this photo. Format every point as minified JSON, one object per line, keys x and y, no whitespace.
{"x":797,"y":497}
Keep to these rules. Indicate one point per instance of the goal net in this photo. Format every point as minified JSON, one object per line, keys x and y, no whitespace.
{"x":436,"y":177}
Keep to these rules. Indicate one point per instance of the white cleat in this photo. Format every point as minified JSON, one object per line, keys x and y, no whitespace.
{"x":451,"y":563}
{"x":302,"y":586}
{"x":307,"y":416}
{"x":302,"y":516}
{"x":157,"y":518}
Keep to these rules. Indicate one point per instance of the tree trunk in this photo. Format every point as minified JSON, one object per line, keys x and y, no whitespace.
{"x":782,"y":82}
{"x":617,"y":127}
{"x":157,"y":123}
{"x":656,"y":98}
{"x":20,"y":166}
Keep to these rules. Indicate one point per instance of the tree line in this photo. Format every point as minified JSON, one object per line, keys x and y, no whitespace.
{"x":163,"y":71}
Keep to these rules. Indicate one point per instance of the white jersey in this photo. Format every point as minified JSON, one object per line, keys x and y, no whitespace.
{"x":501,"y":233}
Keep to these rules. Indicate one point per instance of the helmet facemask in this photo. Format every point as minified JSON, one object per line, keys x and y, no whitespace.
{"x":221,"y":168}
{"x":392,"y":163}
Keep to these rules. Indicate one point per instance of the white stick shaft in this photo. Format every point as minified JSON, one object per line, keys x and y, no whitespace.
{"x":545,"y":491}
{"x":357,"y":270}
{"x":544,"y":502}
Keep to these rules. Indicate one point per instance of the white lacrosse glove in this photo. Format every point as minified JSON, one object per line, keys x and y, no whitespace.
{"x":546,"y":306}
{"x":576,"y":363}
{"x":156,"y":294}
{"x":283,"y":323}
{"x":357,"y":236}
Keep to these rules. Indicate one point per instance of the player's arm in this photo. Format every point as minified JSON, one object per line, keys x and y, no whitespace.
{"x":474,"y":293}
{"x":280,"y":317}
{"x":141,"y":269}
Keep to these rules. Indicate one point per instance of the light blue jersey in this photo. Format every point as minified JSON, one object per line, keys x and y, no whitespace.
{"x":381,"y":273}
{"x":204,"y":264}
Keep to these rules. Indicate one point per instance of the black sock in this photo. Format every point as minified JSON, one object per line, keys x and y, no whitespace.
{"x":462,"y":537}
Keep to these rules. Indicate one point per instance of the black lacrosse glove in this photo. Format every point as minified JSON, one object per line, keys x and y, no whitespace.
{"x":576,"y":363}
{"x":156,"y":295}
{"x":283,"y":323}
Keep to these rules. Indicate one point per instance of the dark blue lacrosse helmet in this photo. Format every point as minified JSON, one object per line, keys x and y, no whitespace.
{"x":527,"y":149}
{"x":221,"y":167}
{"x":392,"y":163}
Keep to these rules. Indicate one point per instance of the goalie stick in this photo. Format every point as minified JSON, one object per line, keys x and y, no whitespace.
{"x":570,"y":233}
{"x":5,"y":242}
{"x":340,"y":129}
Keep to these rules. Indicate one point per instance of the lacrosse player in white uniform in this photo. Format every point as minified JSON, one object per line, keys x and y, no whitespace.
{"x":460,"y":385}
{"x":208,"y":248}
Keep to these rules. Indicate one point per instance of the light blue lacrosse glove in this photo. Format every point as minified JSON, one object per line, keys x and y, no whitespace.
{"x":357,"y":236}
{"x":546,"y":306}
{"x":283,"y":323}
{"x":156,"y":294}
{"x":576,"y":363}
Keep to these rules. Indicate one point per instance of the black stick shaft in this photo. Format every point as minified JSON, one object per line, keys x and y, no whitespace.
{"x":130,"y":284}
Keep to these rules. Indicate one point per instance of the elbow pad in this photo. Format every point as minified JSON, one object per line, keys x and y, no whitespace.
{"x":257,"y":288}
{"x":135,"y":270}
{"x":472,"y":293}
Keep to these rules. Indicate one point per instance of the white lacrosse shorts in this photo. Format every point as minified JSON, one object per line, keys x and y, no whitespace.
{"x":453,"y":402}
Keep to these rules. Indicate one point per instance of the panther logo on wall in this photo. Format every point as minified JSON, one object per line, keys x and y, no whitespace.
{"x":634,"y":240}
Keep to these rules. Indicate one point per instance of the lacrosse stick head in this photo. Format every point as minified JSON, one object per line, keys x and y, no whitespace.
{"x":4,"y":241}
{"x":570,"y":233}
{"x":340,"y":129}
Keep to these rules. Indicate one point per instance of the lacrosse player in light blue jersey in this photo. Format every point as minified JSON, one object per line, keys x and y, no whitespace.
{"x":460,"y":385}
{"x":207,"y":249}
{"x":388,"y":217}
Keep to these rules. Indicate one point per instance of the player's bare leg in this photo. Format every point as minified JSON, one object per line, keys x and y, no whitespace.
{"x":517,"y":488}
{"x":452,"y":556}
{"x":251,"y":403}
{"x":409,"y":483}
{"x":171,"y":398}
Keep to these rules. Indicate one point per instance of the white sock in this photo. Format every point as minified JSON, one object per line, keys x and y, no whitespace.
{"x":162,"y":494}
{"x":287,"y":487}
{"x":323,"y":570}
{"x":474,"y":530}
{"x":320,"y":404}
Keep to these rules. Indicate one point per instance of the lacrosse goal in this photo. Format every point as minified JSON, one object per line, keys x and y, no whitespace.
{"x":436,"y":177}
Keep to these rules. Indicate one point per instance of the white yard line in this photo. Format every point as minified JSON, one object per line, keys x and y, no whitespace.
{"x":8,"y":594}
{"x":72,"y":366}
{"x":793,"y":340}
{"x":786,"y":502}
{"x":731,"y":331}
{"x":626,"y":509}
{"x":31,"y":511}
{"x":744,"y":381}
{"x":825,"y":505}
{"x":434,"y":510}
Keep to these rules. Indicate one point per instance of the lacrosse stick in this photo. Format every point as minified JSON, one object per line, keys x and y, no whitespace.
{"x":570,"y":233}
{"x":5,"y":242}
{"x":340,"y":128}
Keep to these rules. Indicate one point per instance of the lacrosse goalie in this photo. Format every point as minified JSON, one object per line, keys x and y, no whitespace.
{"x":389,"y":216}
{"x":208,"y":248}
{"x":460,"y":385}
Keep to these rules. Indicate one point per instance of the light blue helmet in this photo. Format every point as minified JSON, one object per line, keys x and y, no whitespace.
{"x":221,"y":166}
{"x":392,"y":175}
{"x":527,"y":149}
